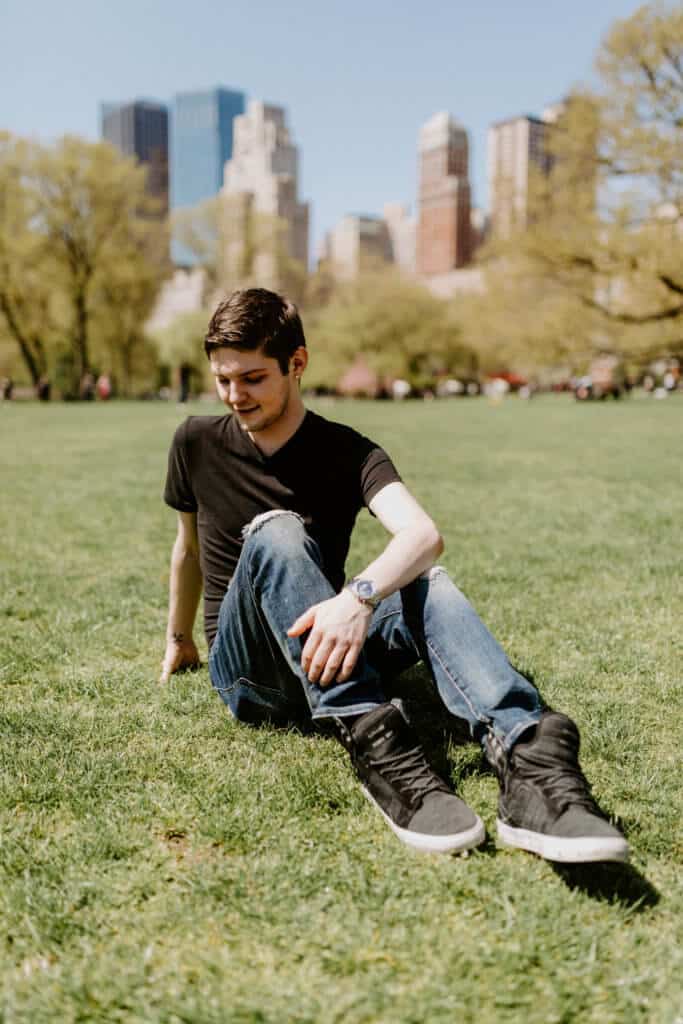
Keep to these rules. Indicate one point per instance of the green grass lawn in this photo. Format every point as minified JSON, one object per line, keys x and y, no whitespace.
{"x":160,"y":863}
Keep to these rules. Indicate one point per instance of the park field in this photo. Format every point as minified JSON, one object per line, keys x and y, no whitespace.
{"x":162,"y":864}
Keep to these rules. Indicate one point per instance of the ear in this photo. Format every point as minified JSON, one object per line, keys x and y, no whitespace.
{"x":298,"y":361}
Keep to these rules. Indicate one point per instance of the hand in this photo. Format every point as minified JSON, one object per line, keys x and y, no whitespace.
{"x":338,"y":628}
{"x":180,"y":653}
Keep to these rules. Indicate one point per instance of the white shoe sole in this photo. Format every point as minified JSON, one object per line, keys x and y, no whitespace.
{"x":426,"y":843}
{"x":582,"y":850}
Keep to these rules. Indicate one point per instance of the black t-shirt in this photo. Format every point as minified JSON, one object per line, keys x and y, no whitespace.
{"x":326,"y":472}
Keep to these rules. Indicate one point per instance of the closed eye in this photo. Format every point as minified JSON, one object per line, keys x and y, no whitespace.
{"x":225,"y":381}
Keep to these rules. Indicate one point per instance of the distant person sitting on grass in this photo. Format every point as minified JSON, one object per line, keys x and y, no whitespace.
{"x":267,"y":499}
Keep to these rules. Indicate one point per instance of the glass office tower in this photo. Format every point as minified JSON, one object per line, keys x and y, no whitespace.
{"x":140,"y":129}
{"x":201,"y":142}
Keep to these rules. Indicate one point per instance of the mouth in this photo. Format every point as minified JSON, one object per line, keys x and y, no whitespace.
{"x":245,"y":411}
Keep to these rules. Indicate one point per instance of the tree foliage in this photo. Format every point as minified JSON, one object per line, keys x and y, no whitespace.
{"x":604,"y":243}
{"x":182,"y":341}
{"x":83,"y":252}
{"x":197,"y":235}
{"x":237,"y":246}
{"x":528,"y":323}
{"x":26,"y":285}
{"x":395,"y":326}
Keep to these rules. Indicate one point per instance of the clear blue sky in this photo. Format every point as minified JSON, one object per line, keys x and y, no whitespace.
{"x":358,"y":77}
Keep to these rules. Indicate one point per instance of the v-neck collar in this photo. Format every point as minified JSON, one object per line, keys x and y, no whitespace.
{"x":243,"y":444}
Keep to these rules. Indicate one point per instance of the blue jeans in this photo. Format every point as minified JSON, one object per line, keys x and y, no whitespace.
{"x":256,"y":667}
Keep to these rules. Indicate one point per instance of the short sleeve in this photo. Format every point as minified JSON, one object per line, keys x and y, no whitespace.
{"x":377,"y":471}
{"x":178,"y":491}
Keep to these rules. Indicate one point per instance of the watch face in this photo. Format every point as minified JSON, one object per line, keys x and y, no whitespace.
{"x":365,"y":589}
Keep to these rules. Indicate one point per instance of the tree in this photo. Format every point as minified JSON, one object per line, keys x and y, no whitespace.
{"x":124,"y":297}
{"x":237,"y":246}
{"x":100,"y":234}
{"x":125,"y":300}
{"x":605,"y":236}
{"x":640,"y":256}
{"x":26,"y":284}
{"x":526,"y":322}
{"x":182,"y":341}
{"x":197,"y":233}
{"x":397,"y":327}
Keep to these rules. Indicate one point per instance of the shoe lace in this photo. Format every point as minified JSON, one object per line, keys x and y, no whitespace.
{"x":410,"y":772}
{"x":565,"y":785}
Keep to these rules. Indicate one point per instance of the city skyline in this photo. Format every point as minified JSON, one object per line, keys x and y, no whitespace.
{"x":358,"y":85}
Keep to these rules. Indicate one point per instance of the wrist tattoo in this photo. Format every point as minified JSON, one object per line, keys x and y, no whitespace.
{"x":178,"y":637}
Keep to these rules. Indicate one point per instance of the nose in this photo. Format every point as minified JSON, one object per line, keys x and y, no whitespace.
{"x":235,"y":392}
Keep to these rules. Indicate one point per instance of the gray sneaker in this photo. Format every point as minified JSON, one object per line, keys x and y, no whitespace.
{"x":396,"y":777}
{"x":546,"y":806}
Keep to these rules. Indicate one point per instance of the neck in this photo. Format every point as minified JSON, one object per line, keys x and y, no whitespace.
{"x":278,"y":434}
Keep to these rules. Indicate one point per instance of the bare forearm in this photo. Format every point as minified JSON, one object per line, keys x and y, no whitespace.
{"x":338,"y":627}
{"x":410,"y":552}
{"x":185,"y":588}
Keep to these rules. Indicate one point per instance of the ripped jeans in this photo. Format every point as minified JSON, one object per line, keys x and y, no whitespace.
{"x":256,"y":667}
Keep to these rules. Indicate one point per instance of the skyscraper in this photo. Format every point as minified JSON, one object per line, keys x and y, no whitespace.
{"x":516,"y":146}
{"x":357,"y":243}
{"x":443,"y":233}
{"x":402,"y":227}
{"x":140,"y":129}
{"x":262,"y":178}
{"x":201,"y":142}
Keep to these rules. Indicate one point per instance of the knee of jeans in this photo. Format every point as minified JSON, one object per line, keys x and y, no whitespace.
{"x":279,"y":529}
{"x":437,"y":578}
{"x":439,"y":582}
{"x":434,"y":573}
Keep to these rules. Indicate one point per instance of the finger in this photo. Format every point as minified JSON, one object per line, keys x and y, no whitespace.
{"x":349,"y":663}
{"x":320,"y":660}
{"x":190,"y":665}
{"x":169,"y":665}
{"x":310,"y":647}
{"x":332,"y":665}
{"x":304,"y":622}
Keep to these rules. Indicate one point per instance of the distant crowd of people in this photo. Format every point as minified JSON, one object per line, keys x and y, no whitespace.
{"x":604,"y":381}
{"x":92,"y":387}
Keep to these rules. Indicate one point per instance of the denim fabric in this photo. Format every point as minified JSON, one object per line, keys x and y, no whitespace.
{"x":255,"y":666}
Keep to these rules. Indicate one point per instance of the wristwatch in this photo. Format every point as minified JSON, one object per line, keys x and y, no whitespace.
{"x":364,"y":591}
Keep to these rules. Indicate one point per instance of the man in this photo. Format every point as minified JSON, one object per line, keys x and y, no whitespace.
{"x":267,"y":498}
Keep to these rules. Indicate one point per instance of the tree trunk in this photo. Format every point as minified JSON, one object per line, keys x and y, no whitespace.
{"x":35,"y":361}
{"x":80,"y":337}
{"x":127,"y":366}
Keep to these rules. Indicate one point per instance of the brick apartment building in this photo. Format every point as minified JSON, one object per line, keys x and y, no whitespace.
{"x":443,"y":232}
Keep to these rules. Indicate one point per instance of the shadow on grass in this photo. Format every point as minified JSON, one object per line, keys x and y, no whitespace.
{"x":441,"y":734}
{"x":436,"y":728}
{"x":438,"y":732}
{"x":612,"y":883}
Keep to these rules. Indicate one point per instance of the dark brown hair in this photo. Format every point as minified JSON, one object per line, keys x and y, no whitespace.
{"x":257,"y":318}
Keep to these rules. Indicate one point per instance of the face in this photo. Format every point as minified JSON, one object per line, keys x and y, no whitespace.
{"x":254,"y":386}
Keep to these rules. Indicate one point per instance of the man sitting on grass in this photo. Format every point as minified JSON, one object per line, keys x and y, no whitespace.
{"x":267,"y":499}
